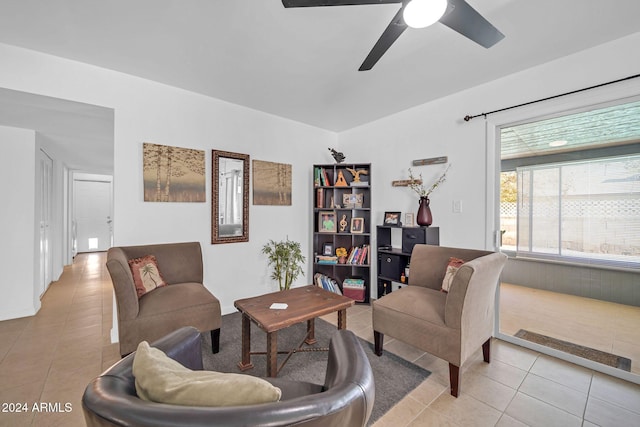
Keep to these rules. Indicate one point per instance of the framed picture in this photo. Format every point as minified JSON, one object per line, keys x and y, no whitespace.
{"x":392,"y":218}
{"x":352,"y":200}
{"x":327,"y":222}
{"x":410,"y":219}
{"x":327,"y":249}
{"x":183,"y":181}
{"x":357,"y":225}
{"x":271,"y":183}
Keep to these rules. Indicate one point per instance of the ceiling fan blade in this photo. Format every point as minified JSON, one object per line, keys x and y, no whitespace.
{"x":313,"y":3}
{"x":467,"y":21}
{"x":395,"y":28}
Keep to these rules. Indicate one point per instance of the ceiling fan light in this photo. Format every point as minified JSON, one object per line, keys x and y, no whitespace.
{"x":422,"y":13}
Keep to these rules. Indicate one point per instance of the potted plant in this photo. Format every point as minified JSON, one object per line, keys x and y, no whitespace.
{"x":341,"y":253}
{"x":286,"y":259}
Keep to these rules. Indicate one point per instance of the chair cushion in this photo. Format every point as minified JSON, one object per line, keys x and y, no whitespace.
{"x":453,"y":266}
{"x":425,"y":305}
{"x":158,"y":378}
{"x":174,"y":298}
{"x":146,"y":274}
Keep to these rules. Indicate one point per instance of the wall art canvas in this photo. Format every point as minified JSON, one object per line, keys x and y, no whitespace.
{"x":271,"y":183}
{"x":173,"y":174}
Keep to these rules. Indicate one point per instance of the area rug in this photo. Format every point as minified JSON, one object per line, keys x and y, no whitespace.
{"x":577,"y":350}
{"x":394,"y":377}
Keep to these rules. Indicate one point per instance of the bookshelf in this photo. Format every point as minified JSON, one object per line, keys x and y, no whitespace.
{"x":342,"y":219}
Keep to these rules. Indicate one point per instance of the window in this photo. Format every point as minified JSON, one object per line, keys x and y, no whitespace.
{"x":574,"y":195}
{"x":586,"y":211}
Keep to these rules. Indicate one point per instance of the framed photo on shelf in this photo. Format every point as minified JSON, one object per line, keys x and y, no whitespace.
{"x":327,"y":222}
{"x":357,"y":225}
{"x":392,"y":218}
{"x":327,"y":249}
{"x":352,"y":200}
{"x":409,"y":220}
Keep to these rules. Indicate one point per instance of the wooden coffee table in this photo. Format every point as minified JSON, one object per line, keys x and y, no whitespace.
{"x":304,"y":304}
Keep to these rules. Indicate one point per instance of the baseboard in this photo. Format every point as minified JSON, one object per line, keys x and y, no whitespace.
{"x":9,"y":315}
{"x":114,"y":335}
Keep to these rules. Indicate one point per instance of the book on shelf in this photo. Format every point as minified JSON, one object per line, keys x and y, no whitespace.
{"x":325,"y":175}
{"x":326,"y":259}
{"x":321,"y":177}
{"x":363,"y":255}
{"x":352,"y":254}
{"x":319,"y":198}
{"x":359,"y":255}
{"x":353,"y":283}
{"x":316,"y":177}
{"x":327,"y":283}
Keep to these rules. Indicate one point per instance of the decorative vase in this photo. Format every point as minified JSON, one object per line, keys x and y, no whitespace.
{"x":424,"y":217}
{"x":342,"y":260}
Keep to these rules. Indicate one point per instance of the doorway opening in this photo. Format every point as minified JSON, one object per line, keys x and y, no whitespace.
{"x":570,"y":222}
{"x":92,"y":213}
{"x":46,"y":189}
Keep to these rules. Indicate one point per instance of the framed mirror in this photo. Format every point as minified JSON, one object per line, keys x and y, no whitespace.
{"x":230,"y":197}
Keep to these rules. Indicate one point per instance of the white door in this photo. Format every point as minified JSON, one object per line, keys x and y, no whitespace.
{"x":46,"y":264}
{"x":92,"y":214}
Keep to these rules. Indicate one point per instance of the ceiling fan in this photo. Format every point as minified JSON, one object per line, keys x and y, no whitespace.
{"x":455,"y":14}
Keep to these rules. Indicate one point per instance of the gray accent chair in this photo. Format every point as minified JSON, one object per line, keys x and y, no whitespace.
{"x":345,"y":399}
{"x":184,"y":302}
{"x":451,"y":326}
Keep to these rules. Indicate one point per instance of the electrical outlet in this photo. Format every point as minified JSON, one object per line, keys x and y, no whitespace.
{"x":457,"y":206}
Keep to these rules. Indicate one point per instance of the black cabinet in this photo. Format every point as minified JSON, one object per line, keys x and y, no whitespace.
{"x":394,"y":253}
{"x":414,"y":235}
{"x":391,"y":265}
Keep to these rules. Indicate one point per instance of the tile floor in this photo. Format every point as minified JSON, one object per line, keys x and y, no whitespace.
{"x":50,"y":358}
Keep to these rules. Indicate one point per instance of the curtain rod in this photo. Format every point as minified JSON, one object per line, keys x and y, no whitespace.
{"x":467,"y":118}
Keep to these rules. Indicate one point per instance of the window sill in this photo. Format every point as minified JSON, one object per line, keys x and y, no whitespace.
{"x":595,"y":266}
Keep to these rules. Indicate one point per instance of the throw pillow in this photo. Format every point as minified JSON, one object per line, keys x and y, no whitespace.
{"x":452,"y":268}
{"x":159,"y":378}
{"x":146,"y":274}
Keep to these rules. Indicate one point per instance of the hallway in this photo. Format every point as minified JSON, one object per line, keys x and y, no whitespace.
{"x":51,"y":357}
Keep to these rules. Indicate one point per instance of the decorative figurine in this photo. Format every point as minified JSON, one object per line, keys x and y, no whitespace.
{"x":343,"y":223}
{"x":338,"y":156}
{"x":356,"y":174}
{"x":340,"y":181}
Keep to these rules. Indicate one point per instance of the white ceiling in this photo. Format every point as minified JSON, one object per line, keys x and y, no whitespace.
{"x":81,"y":134}
{"x":302,"y":63}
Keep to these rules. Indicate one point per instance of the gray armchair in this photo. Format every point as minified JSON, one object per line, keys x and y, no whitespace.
{"x":451,"y":326}
{"x":184,"y":302}
{"x":345,"y":399}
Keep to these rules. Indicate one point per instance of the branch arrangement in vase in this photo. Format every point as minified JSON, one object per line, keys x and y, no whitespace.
{"x":417,"y":184}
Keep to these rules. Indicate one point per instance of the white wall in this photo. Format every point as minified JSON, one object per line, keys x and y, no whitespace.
{"x":146,"y":111}
{"x":17,"y":218}
{"x":438,"y":129}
